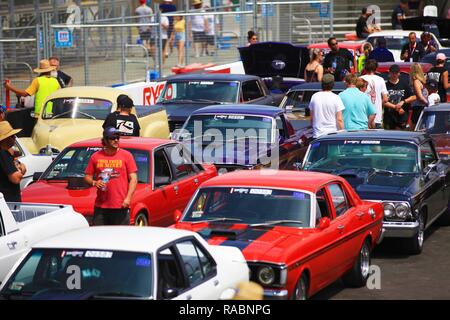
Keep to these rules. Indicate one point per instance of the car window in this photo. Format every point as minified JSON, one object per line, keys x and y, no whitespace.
{"x":18,"y":152}
{"x":427,"y":155}
{"x":251,"y":90}
{"x":322,"y":208}
{"x":179,"y":158}
{"x":339,"y":199}
{"x":2,"y":229}
{"x":142,"y":162}
{"x":170,"y":275}
{"x":196,"y":264}
{"x":280,"y":126}
{"x":293,"y":100}
{"x":162,"y":168}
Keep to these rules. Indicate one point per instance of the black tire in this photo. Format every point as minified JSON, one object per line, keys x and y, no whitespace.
{"x":359,"y":273}
{"x":301,"y":288}
{"x":141,"y":220}
{"x":444,"y":220}
{"x":414,"y":245}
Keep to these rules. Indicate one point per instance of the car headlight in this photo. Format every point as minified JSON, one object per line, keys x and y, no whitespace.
{"x":402,"y":211}
{"x":266,"y":275}
{"x":389,"y":210}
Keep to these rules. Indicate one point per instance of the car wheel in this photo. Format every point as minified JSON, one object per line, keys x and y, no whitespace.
{"x":414,"y":245}
{"x":444,"y":219}
{"x":301,"y":288}
{"x":359,"y":273}
{"x":141,"y":220}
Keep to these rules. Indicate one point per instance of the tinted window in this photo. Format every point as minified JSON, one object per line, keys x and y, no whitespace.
{"x":170,"y":275}
{"x":427,"y":155}
{"x":435,"y":122}
{"x":183,"y":166}
{"x":293,"y":100}
{"x":339,"y":200}
{"x":251,"y":90}
{"x":77,"y":108}
{"x":322,"y":209}
{"x":162,"y":168}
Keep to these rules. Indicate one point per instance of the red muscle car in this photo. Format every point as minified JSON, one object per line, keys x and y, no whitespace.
{"x":166,"y":179}
{"x":299,"y":231}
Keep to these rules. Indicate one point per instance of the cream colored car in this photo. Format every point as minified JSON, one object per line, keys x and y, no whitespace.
{"x":77,"y":113}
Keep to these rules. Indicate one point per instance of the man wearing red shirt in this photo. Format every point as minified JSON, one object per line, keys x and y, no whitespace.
{"x":115,"y":173}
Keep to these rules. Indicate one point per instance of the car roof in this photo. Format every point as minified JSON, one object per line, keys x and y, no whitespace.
{"x":88,"y":92}
{"x":438,"y":107}
{"x":120,"y":238}
{"x":311,"y":86}
{"x":214,"y":77}
{"x":126,"y":142}
{"x":252,"y":109}
{"x":268,"y":178}
{"x":408,"y":136}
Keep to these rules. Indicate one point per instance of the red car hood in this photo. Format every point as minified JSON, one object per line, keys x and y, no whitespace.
{"x":442,"y":143}
{"x":270,"y":244}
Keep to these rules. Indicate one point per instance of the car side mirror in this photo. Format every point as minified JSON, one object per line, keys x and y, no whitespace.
{"x":169,"y":293}
{"x":37,"y":175}
{"x":177,"y":215}
{"x":161,"y":181}
{"x":324,"y":223}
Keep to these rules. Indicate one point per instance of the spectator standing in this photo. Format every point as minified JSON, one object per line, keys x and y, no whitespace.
{"x":146,"y":33}
{"x":381,"y":53}
{"x":212,"y":22}
{"x":399,"y":97}
{"x":433,"y":96}
{"x":252,"y":38}
{"x":366,"y":50}
{"x":376,"y":90}
{"x":429,"y":45}
{"x":125,"y":122}
{"x":326,"y":109}
{"x":399,"y":14}
{"x":11,"y":171}
{"x":314,"y":69}
{"x":179,"y":35}
{"x":440,"y":74}
{"x":198,"y":24}
{"x":63,"y":78}
{"x":113,"y":172}
{"x":41,"y":87}
{"x":338,"y":61}
{"x":412,"y":51}
{"x":165,"y":7}
{"x":164,"y":35}
{"x":417,"y":80}
{"x":359,"y":112}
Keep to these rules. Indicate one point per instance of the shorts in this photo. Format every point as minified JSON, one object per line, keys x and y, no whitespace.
{"x":198,"y":36}
{"x":209,"y":39}
{"x":180,"y":36}
{"x":115,"y":217}
{"x":145,"y":35}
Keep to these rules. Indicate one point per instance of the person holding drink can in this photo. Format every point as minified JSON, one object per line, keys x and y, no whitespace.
{"x":113,"y":172}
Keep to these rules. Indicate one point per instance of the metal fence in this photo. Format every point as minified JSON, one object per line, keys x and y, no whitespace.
{"x":106,"y":48}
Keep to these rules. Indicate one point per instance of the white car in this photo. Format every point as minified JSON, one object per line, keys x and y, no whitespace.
{"x":23,"y":224}
{"x":396,"y":39}
{"x":33,"y":163}
{"x":126,"y":262}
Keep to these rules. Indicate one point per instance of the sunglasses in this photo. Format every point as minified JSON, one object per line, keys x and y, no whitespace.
{"x":114,"y":138}
{"x":333,"y":44}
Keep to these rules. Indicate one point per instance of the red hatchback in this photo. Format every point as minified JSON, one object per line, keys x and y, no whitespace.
{"x":299,"y":231}
{"x":166,"y":179}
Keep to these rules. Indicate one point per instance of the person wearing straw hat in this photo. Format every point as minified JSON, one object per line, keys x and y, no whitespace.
{"x":41,"y":87}
{"x":11,"y":170}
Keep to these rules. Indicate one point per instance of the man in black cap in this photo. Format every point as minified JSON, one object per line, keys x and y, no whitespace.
{"x":381,"y":53}
{"x":396,"y":109}
{"x":433,"y":96}
{"x":122,"y":119}
{"x":113,"y":172}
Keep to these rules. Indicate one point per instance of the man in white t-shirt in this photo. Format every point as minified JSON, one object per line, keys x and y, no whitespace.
{"x":376,"y":90}
{"x":326,"y":109}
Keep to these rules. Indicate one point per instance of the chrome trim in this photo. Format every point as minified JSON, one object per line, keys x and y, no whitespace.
{"x":400,"y":229}
{"x":272,"y":294}
{"x":380,"y":239}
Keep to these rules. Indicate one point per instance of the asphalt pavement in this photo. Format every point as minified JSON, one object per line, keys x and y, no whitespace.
{"x":404,"y":277}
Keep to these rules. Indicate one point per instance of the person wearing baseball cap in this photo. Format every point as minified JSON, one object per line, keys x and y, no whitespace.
{"x":439,"y":74}
{"x":326,"y":109}
{"x":433,"y":97}
{"x":11,"y":170}
{"x":113,"y":172}
{"x":122,"y":119}
{"x":41,"y":87}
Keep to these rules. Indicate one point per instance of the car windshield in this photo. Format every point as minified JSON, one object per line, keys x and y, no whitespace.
{"x":298,"y":100}
{"x":82,"y":274}
{"x":77,"y":108}
{"x":392,"y":156}
{"x":435,"y":122}
{"x":251,"y":205}
{"x":392,"y":42}
{"x":200,"y":91}
{"x":228,"y":127}
{"x":72,"y":162}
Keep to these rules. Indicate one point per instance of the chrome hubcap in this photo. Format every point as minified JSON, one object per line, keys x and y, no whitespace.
{"x":300,"y":291}
{"x":365,"y":261}
{"x":421,"y":232}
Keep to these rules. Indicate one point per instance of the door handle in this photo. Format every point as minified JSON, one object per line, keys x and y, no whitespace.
{"x":216,"y":282}
{"x":12,"y":245}
{"x":176,"y":188}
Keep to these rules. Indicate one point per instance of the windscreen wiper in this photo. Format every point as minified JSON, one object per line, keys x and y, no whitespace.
{"x":222,"y":219}
{"x":275,"y":222}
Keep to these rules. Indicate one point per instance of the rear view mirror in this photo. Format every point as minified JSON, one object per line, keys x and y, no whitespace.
{"x":177,"y":215}
{"x":324,"y":223}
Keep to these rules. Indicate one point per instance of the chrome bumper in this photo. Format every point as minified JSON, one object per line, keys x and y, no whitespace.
{"x":382,"y":234}
{"x":400,"y":229}
{"x":271,"y":294}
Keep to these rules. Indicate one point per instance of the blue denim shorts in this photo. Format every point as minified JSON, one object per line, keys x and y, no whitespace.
{"x":180,"y":36}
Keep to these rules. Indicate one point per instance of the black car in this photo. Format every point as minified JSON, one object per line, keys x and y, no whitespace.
{"x":399,"y":168}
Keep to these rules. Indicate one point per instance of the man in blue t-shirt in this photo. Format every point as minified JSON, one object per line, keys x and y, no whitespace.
{"x":399,"y":14}
{"x":381,"y":53}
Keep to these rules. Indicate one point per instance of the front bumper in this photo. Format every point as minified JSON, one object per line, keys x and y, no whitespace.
{"x":272,"y":294}
{"x":400,"y":229}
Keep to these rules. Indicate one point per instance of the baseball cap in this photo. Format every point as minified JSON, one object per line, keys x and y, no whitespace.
{"x":394,"y":68}
{"x":441,"y":56}
{"x":110,"y":132}
{"x":327,"y":79}
{"x":124,"y":101}
{"x":432,"y":83}
{"x":381,"y":41}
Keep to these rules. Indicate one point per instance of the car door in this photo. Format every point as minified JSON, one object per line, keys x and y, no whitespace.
{"x":291,"y":149}
{"x":12,"y":246}
{"x":185,"y":175}
{"x":253,"y":93}
{"x":164,"y":190}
